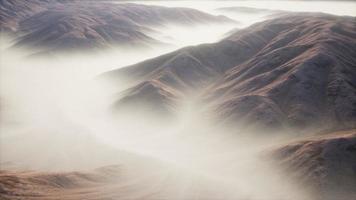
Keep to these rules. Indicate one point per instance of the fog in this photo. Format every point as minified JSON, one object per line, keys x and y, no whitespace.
{"x":332,"y":7}
{"x":55,"y":116}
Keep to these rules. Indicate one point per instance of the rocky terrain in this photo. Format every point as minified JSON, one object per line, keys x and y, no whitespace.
{"x":58,"y":25}
{"x":327,"y":162}
{"x":293,"y":71}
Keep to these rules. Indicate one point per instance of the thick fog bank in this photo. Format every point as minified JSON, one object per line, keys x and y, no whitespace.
{"x":56,"y":117}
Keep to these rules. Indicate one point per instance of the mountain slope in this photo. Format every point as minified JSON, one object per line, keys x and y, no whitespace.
{"x":185,"y":72}
{"x":149,"y":97}
{"x":57,"y":25}
{"x":140,"y":178}
{"x":304,"y":77}
{"x":327,"y":163}
{"x":12,"y":12}
{"x":296,"y":71}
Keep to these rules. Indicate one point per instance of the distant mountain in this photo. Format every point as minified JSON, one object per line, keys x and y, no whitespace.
{"x":326,"y":163}
{"x":56,"y":25}
{"x":248,"y":10}
{"x":294,"y":71}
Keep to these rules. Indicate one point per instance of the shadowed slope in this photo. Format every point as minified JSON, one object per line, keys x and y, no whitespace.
{"x":326,"y":162}
{"x":12,"y":12}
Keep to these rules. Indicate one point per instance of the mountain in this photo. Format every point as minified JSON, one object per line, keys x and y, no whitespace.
{"x":293,"y":71}
{"x":150,"y":97}
{"x":57,"y":25}
{"x":327,"y":163}
{"x":12,"y":12}
{"x":296,"y":71}
{"x":304,"y":76}
{"x":183,"y":73}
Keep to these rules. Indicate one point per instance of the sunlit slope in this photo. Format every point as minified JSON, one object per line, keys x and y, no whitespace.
{"x":76,"y":25}
{"x":294,"y":71}
{"x":143,"y":179}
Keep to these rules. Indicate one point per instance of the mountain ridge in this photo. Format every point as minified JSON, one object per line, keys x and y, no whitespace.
{"x":71,"y":25}
{"x":303,"y":54}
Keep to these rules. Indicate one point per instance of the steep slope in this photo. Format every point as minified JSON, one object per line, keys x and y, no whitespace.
{"x":305,"y":76}
{"x":78,"y":24}
{"x":12,"y":12}
{"x":296,"y":71}
{"x":195,"y":67}
{"x":326,"y":163}
{"x":186,"y":71}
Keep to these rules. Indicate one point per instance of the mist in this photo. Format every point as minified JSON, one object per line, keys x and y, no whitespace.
{"x":56,"y":116}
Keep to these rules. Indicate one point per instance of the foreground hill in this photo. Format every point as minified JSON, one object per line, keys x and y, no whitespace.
{"x":138,"y":180}
{"x":52,"y":24}
{"x":294,"y":71}
{"x":327,"y":163}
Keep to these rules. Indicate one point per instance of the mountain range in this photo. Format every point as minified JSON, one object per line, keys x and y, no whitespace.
{"x":293,"y":71}
{"x":70,"y":25}
{"x":292,"y":74}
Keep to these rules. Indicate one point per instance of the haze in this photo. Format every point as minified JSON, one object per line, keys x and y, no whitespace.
{"x":56,"y":116}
